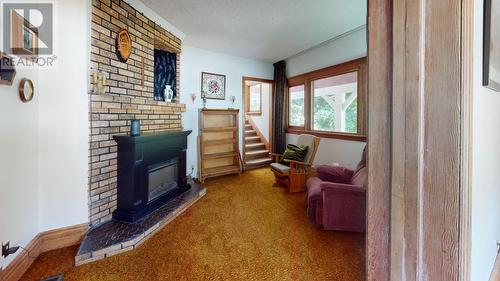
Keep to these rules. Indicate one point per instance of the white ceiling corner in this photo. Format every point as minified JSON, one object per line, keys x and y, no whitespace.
{"x":262,"y":30}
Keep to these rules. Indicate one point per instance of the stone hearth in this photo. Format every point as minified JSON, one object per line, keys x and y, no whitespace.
{"x":115,"y":237}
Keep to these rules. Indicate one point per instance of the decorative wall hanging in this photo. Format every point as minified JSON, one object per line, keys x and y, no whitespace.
{"x":123,"y":45}
{"x":213,"y":86}
{"x":233,"y":100}
{"x":491,"y":45}
{"x":165,"y":74}
{"x":26,"y":90}
{"x":99,"y":82}
{"x":7,"y":70}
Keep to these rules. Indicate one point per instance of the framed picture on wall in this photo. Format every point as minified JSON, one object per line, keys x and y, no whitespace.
{"x":213,"y":86}
{"x":491,"y":45}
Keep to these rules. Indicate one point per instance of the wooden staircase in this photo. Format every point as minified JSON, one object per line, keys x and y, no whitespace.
{"x":256,"y":153}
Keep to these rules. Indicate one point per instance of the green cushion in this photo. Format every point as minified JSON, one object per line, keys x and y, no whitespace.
{"x":295,"y":153}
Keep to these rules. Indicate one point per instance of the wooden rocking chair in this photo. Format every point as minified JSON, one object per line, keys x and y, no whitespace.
{"x":294,"y":176}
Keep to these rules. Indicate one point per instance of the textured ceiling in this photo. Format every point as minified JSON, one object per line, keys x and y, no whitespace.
{"x":265,"y":30}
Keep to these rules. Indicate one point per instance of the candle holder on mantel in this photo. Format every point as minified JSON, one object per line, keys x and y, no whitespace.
{"x":135,"y":128}
{"x":203,"y":96}
{"x":232,"y":99}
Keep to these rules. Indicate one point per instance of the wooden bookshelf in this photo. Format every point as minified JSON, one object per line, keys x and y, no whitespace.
{"x":218,"y":143}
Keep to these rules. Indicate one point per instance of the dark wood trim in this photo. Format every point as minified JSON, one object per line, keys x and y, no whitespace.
{"x":287,"y":108}
{"x":328,"y":135}
{"x":43,"y":242}
{"x":380,"y":55}
{"x":245,"y":78}
{"x":333,"y":70}
{"x":307,"y":79}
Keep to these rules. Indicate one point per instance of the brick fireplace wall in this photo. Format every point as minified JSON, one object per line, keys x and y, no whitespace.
{"x":126,"y":97}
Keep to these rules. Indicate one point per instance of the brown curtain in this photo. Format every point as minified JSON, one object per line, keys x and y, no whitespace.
{"x":279,"y":98}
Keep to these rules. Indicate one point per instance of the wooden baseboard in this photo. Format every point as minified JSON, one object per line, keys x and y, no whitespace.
{"x":41,"y":243}
{"x":495,"y":274}
{"x":63,"y":237}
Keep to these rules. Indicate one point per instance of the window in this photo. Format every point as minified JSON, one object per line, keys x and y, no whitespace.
{"x":329,"y":102}
{"x":255,"y":106}
{"x":335,"y":103}
{"x":296,"y":107}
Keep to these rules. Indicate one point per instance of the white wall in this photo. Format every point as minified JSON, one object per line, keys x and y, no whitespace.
{"x":344,"y":49}
{"x":193,"y":62}
{"x":486,"y":164}
{"x":352,"y":46}
{"x":262,"y":121}
{"x":18,"y":165}
{"x":44,"y":143}
{"x":63,"y":122}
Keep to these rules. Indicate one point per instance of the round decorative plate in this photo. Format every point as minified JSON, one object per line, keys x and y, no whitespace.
{"x":123,"y":45}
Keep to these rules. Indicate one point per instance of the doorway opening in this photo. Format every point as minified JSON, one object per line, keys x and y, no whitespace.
{"x":257,"y":108}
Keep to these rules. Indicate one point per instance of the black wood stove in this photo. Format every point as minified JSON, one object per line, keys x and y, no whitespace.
{"x":151,"y":171}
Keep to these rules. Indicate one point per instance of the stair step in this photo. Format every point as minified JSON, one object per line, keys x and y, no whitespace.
{"x":257,"y":152}
{"x":252,"y":139}
{"x":257,"y":145}
{"x":260,"y":162}
{"x":250,"y":132}
{"x":248,"y":126}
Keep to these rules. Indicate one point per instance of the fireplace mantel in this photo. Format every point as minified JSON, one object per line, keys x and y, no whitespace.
{"x":138,"y":158}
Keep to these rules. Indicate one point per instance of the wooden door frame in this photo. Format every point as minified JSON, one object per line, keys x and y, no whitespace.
{"x":379,"y":19}
{"x":401,"y":152}
{"x":271,"y":106}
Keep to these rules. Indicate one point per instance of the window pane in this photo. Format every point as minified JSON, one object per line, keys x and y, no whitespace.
{"x":296,"y":108}
{"x":336,"y":103}
{"x":255,"y":98}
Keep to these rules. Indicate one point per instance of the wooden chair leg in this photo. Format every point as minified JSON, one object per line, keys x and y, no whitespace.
{"x":276,"y":180}
{"x":297,"y":182}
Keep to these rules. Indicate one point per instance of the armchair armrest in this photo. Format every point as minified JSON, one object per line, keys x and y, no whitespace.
{"x":276,"y":157}
{"x":337,"y":174}
{"x":331,"y":187}
{"x":298,"y":163}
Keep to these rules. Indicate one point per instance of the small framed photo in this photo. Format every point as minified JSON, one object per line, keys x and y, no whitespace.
{"x":491,"y":45}
{"x":213,"y":86}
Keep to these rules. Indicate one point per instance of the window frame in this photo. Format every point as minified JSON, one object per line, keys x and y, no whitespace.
{"x":307,"y":79}
{"x":249,"y":112}
{"x":288,"y":126}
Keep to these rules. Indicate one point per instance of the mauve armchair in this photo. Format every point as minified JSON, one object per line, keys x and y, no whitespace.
{"x":337,"y":197}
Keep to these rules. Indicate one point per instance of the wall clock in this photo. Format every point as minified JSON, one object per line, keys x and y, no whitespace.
{"x":26,"y":90}
{"x":123,"y":45}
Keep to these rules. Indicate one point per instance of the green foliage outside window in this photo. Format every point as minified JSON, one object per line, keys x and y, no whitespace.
{"x":297,"y":112}
{"x":324,"y":115}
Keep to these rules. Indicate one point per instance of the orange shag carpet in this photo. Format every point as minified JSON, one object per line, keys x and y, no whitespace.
{"x":243,"y":229}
